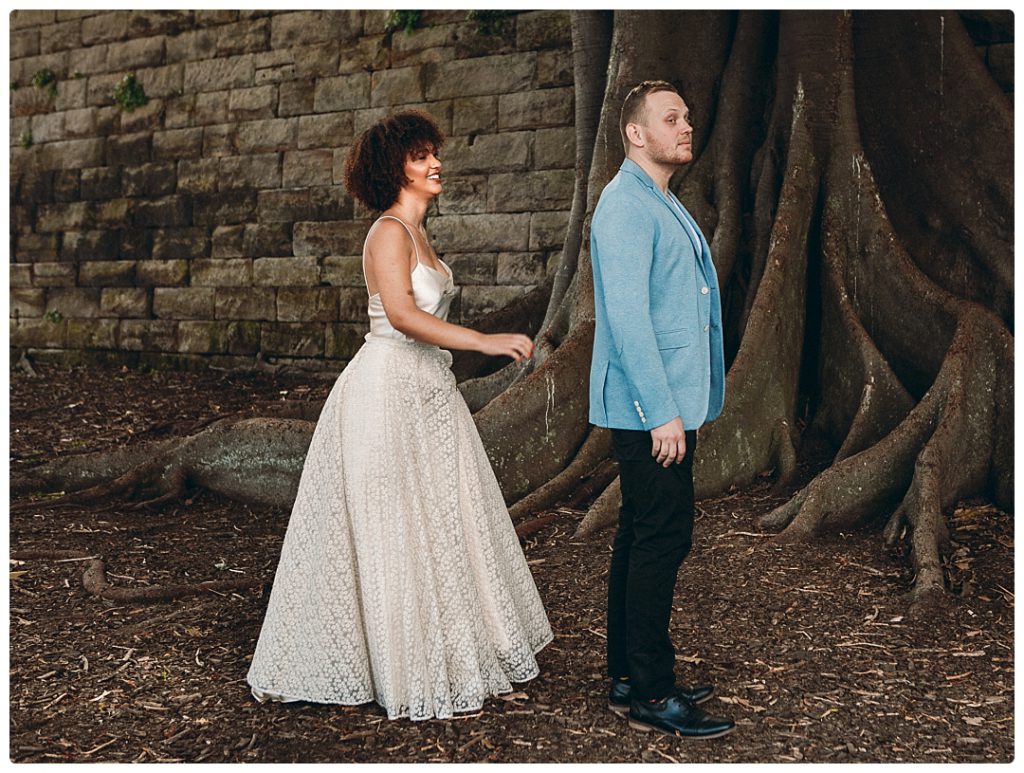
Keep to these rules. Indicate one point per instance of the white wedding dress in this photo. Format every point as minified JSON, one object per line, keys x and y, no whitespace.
{"x":401,"y":579}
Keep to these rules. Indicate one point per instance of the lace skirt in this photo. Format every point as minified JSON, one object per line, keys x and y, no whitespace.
{"x":401,"y":579}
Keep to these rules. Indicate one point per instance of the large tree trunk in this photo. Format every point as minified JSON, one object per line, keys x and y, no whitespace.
{"x":853,"y":173}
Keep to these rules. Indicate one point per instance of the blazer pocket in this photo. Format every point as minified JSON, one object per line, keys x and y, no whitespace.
{"x":673,"y":339}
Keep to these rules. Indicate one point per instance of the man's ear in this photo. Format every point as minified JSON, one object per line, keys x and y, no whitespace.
{"x":633,"y":135}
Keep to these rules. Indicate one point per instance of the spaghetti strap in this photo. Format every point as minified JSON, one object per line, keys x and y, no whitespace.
{"x":407,"y":230}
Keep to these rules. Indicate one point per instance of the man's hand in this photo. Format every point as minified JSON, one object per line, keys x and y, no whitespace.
{"x":668,"y":442}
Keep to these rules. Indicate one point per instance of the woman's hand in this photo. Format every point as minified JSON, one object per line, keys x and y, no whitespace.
{"x":514,"y":345}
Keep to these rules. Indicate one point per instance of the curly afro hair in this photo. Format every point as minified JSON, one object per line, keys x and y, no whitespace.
{"x":375,"y":166}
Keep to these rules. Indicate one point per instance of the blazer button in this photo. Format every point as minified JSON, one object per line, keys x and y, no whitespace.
{"x":707,"y":328}
{"x":703,"y":291}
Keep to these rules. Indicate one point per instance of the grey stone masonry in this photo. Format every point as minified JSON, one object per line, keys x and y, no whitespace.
{"x":212,"y":223}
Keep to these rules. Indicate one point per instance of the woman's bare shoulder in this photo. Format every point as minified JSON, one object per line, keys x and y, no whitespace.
{"x":389,"y":237}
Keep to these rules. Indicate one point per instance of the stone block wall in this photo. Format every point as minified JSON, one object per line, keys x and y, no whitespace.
{"x":211,"y":224}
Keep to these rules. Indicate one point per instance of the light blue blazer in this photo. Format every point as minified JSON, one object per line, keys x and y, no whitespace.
{"x":658,"y":335}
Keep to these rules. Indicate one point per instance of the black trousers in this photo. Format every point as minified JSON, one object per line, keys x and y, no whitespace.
{"x":654,"y":536}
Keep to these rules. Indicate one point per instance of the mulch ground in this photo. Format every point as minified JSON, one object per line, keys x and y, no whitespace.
{"x":812,"y":647}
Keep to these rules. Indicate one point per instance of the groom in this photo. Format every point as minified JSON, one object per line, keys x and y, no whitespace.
{"x":657,"y":374}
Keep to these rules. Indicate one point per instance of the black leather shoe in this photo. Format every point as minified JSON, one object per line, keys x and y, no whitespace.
{"x":619,"y":695}
{"x":677,"y":716}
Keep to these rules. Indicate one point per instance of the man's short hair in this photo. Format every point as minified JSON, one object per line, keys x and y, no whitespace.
{"x":634,"y":107}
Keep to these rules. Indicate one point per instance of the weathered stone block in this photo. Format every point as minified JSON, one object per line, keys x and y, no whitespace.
{"x":472,"y":115}
{"x":30,"y":101}
{"x":554,"y":68}
{"x":267,"y":239}
{"x":179,"y":112}
{"x":396,"y":87}
{"x":112,"y":212}
{"x":92,"y":59}
{"x":27,"y":302}
{"x":233,"y":72}
{"x":124,"y":302}
{"x":140,"y":52}
{"x":24,"y":43}
{"x":199,"y":176}
{"x":149,"y":180}
{"x":177,"y":144}
{"x":253,"y":171}
{"x":224,"y":208}
{"x":535,"y":109}
{"x":470,"y":42}
{"x":481,"y":233}
{"x":21,"y":275}
{"x":65,"y":185}
{"x":126,"y":150}
{"x":482,"y":75}
{"x":74,"y":302}
{"x":33,"y":247}
{"x":329,"y":238}
{"x":555,"y":148}
{"x":92,"y":333}
{"x":211,"y":108}
{"x":304,"y":304}
{"x":105,"y":28}
{"x":148,"y":335}
{"x":245,"y":303}
{"x":344,"y":339}
{"x":521,"y":268}
{"x":267,"y":136}
{"x":307,"y":167}
{"x":302,"y":204}
{"x":39,"y":333}
{"x":284,"y":272}
{"x":168,"y":211}
{"x":183,"y":302}
{"x":317,"y":61}
{"x":477,"y":301}
{"x":292,"y":339}
{"x":53,"y":274}
{"x":463,"y":195}
{"x":543,"y":29}
{"x":142,"y":23}
{"x":352,"y":304}
{"x":472,"y":268}
{"x":61,"y":36}
{"x":243,"y":37}
{"x":345,"y":92}
{"x":146,"y":118}
{"x":48,"y":127}
{"x":342,"y":271}
{"x":90,"y":245}
{"x":227,"y":241}
{"x":63,"y":217}
{"x":509,"y":152}
{"x":220,"y":140}
{"x":253,"y":103}
{"x":427,"y":44}
{"x":165,"y":273}
{"x":192,"y":45}
{"x":547,"y":230}
{"x":181,"y":243}
{"x":202,"y":337}
{"x":71,"y":154}
{"x":36,"y":187}
{"x":243,"y":337}
{"x":301,"y":28}
{"x":531,"y":191}
{"x":328,"y":130}
{"x":107,"y":273}
{"x":72,"y":95}
{"x":295,"y":98}
{"x":268,"y":75}
{"x":236,"y":272}
{"x":211,"y":18}
{"x":367,"y":54}
{"x":100,"y":88}
{"x":136,"y":243}
{"x":79,"y":123}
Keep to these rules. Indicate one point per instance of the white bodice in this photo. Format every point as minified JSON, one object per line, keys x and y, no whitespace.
{"x":432,"y":291}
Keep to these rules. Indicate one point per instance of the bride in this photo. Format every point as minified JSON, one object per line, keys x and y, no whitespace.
{"x":401,"y":579}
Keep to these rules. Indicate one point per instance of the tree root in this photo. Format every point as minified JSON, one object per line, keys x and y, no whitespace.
{"x":603,"y":513}
{"x":95,"y":582}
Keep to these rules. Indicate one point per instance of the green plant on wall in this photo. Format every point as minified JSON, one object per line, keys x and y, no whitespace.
{"x":402,"y":20}
{"x":129,"y":93}
{"x":45,"y":79}
{"x":53,"y":316}
{"x":489,"y":22}
{"x":26,"y":139}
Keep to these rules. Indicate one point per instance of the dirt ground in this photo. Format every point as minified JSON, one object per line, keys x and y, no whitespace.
{"x":811,"y":647}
